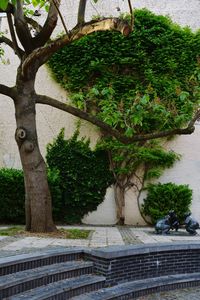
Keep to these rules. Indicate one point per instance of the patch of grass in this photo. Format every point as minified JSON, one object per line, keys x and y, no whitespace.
{"x":60,"y":233}
{"x":15,"y":230}
{"x":76,"y":233}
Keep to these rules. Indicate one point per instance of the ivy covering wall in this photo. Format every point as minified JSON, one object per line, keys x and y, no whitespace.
{"x":146,"y":82}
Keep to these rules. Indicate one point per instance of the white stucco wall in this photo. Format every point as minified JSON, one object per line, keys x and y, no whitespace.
{"x":50,"y":120}
{"x":187,"y":170}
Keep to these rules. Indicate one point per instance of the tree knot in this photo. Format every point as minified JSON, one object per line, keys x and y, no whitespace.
{"x":20,"y":133}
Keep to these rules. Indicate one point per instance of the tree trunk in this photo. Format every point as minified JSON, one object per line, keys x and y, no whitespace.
{"x":38,"y":199}
{"x":119,"y":192}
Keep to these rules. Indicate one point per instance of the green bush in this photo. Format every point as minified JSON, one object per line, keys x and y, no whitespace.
{"x":12,"y":199}
{"x":84,"y":177}
{"x":78,"y":178}
{"x":164,"y":197}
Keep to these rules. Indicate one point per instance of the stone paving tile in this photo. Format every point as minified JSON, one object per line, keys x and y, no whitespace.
{"x":129,"y":236}
{"x":144,"y":237}
{"x":30,"y":242}
{"x":114,"y":237}
{"x":147,"y":235}
{"x":68,"y":242}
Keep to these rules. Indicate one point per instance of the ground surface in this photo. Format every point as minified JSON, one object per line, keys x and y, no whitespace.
{"x":102,"y":236}
{"x":184,"y":294}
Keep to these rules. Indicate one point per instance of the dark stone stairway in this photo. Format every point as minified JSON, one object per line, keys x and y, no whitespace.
{"x":50,"y":275}
{"x":117,"y":273}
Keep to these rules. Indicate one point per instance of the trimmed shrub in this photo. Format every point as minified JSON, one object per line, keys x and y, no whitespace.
{"x":84,"y":177}
{"x":12,"y":199}
{"x":164,"y":197}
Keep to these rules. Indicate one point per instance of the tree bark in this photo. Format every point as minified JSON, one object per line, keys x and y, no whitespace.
{"x":38,"y":198}
{"x":119,"y":192}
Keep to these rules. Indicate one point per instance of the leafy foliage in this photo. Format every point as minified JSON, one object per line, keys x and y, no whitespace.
{"x":28,"y":4}
{"x":78,"y":178}
{"x":128,"y":158}
{"x":12,"y":196}
{"x":145,"y":82}
{"x":164,"y":197}
{"x":84,"y":176}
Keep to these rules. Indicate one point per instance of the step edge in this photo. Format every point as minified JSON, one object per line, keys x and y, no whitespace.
{"x":91,"y":279}
{"x":38,"y":276}
{"x":21,"y":258}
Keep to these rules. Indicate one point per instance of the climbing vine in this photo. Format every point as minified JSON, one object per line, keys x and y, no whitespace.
{"x":146,"y":82}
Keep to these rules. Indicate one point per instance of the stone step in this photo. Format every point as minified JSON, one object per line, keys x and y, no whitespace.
{"x":17,"y":263}
{"x":29,"y":279}
{"x":138,"y":288}
{"x":64,"y":289}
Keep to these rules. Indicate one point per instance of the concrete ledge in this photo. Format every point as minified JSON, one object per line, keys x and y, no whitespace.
{"x":129,"y":250}
{"x":4,"y":261}
{"x":136,"y":262}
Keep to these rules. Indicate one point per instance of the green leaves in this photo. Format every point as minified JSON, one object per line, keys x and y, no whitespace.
{"x":183,"y":96}
{"x":3,"y":4}
{"x":161,"y":198}
{"x":146,"y":82}
{"x":36,"y":2}
{"x":137,"y":84}
{"x":83,"y":176}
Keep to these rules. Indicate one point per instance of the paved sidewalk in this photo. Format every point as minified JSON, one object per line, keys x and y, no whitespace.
{"x":101,"y":236}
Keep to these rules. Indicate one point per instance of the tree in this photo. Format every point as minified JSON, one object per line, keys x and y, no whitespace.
{"x":149,"y":83}
{"x":34,"y":50}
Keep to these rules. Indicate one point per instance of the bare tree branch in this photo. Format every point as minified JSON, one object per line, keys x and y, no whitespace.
{"x":42,"y":99}
{"x":46,"y":30}
{"x":7,"y":91}
{"x":81,"y":12}
{"x":131,"y":13}
{"x":16,"y":48}
{"x":101,"y":25}
{"x":39,"y":56}
{"x":194,"y":119}
{"x":60,"y":15}
{"x":33,"y":23}
{"x":8,"y":42}
{"x":22,"y":29}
